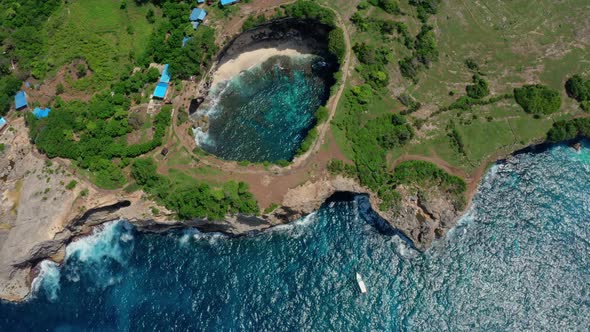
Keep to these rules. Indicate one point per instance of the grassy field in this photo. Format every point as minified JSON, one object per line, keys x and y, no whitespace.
{"x":513,"y":42}
{"x":100,"y":32}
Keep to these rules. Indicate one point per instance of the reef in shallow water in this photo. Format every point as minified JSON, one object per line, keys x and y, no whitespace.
{"x":518,"y":261}
{"x":265,"y":112}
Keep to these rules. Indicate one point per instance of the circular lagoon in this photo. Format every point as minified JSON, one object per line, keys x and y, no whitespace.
{"x":265,"y":92}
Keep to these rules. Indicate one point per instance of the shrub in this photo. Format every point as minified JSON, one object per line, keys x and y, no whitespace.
{"x":321,"y":114}
{"x":71,"y":185}
{"x":390,"y":6}
{"x":478,"y":89}
{"x":567,"y":130}
{"x":59,"y":89}
{"x":538,"y":99}
{"x":336,"y":44}
{"x":577,"y":88}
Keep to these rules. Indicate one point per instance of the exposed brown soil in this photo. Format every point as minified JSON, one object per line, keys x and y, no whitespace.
{"x":269,"y":185}
{"x":45,"y":92}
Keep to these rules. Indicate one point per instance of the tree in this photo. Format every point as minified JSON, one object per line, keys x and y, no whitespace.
{"x":577,"y":88}
{"x":538,"y":99}
{"x":144,"y":171}
{"x":81,"y":70}
{"x":59,"y":89}
{"x":478,"y":89}
{"x":150,"y":16}
{"x":336,"y":44}
{"x":390,"y":6}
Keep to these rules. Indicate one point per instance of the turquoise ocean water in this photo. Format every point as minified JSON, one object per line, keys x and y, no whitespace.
{"x":518,"y":261}
{"x":264,"y":113}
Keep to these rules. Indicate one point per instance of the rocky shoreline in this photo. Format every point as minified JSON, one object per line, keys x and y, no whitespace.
{"x":38,"y":223}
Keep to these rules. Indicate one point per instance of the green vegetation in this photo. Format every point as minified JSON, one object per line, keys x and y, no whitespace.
{"x":193,"y":199}
{"x":71,"y":185}
{"x":310,"y":9}
{"x":307,"y":141}
{"x":371,"y":138}
{"x":93,"y":134}
{"x":538,"y":99}
{"x":253,"y":21}
{"x":579,"y":89}
{"x":424,"y":175}
{"x":478,"y":89}
{"x":9,"y":85}
{"x":425,"y":8}
{"x":424,"y":54}
{"x":271,"y":208}
{"x":22,"y":39}
{"x":336,"y":44}
{"x":165,"y":44}
{"x":568,"y":130}
{"x":2,"y":147}
{"x":389,"y":6}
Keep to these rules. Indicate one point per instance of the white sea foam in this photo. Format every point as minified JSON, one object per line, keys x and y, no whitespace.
{"x":104,"y":242}
{"x":297,"y":228}
{"x":212,"y":238}
{"x":403,"y":248}
{"x":48,"y":280}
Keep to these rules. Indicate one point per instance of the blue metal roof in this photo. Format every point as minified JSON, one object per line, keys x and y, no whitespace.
{"x":20,"y":100}
{"x":2,"y":122}
{"x":198,"y":14}
{"x":160,"y":91}
{"x":195,"y":25}
{"x":165,"y":78}
{"x":185,"y":40}
{"x":40,"y":113}
{"x":228,"y":2}
{"x":200,"y":1}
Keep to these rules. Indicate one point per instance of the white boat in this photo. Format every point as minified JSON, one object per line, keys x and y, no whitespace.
{"x":361,"y":283}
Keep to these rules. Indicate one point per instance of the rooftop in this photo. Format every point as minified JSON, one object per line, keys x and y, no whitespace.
{"x":185,"y":40}
{"x":228,"y":2}
{"x":165,"y":78}
{"x":40,"y":113}
{"x":160,"y":91}
{"x":20,"y":100}
{"x":198,"y":14}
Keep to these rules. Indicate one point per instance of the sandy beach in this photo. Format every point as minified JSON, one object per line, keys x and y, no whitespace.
{"x":247,"y":60}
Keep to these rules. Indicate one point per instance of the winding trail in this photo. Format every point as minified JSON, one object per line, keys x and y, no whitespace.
{"x":302,"y":161}
{"x":268,"y":184}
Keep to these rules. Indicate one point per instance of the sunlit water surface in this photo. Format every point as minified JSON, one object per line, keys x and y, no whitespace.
{"x":519,"y":260}
{"x":265,"y":112}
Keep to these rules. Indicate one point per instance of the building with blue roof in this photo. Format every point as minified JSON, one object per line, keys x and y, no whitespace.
{"x":20,"y":100}
{"x":165,"y":78}
{"x":198,"y":14}
{"x":41,"y":113}
{"x":228,"y":2}
{"x":195,"y":25}
{"x":160,"y":91}
{"x":185,"y":40}
{"x":2,"y":122}
{"x":200,"y":1}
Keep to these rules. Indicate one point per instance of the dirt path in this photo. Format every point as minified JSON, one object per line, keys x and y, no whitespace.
{"x":300,"y":162}
{"x":270,"y":184}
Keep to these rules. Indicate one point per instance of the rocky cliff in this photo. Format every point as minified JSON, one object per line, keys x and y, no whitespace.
{"x":39,"y":215}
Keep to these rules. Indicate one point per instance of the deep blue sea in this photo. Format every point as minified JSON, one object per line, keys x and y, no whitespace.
{"x":519,"y":260}
{"x":265,"y":112}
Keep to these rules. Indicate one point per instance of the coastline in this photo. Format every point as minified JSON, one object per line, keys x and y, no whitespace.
{"x":248,"y":60}
{"x":234,"y":226}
